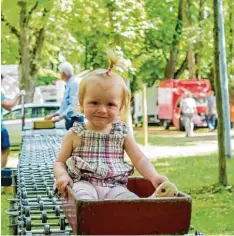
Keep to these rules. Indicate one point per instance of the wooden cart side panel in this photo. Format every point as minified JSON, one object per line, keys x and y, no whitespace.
{"x":138,"y":217}
{"x":141,"y":216}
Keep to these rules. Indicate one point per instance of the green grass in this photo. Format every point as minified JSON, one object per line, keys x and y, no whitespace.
{"x":213,"y":206}
{"x":4,"y":217}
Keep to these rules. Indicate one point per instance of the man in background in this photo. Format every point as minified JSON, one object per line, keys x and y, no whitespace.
{"x":211,"y":111}
{"x":7,"y":104}
{"x":189,"y":110}
{"x":67,"y":109}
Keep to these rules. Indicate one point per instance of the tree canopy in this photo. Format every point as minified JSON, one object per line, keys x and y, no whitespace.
{"x":171,"y":38}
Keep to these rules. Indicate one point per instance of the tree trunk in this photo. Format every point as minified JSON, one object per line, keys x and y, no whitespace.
{"x":199,"y":45}
{"x":27,"y":82}
{"x":219,"y":102}
{"x":30,"y":53}
{"x":24,"y":53}
{"x":183,"y":66}
{"x":171,"y":64}
{"x":191,"y":60}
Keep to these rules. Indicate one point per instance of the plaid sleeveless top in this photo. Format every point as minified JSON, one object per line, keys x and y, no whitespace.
{"x":99,"y":158}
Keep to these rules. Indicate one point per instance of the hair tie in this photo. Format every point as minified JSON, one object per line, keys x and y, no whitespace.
{"x":108,"y":71}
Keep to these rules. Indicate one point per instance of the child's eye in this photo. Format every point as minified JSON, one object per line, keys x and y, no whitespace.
{"x":111,"y":105}
{"x":94,"y":102}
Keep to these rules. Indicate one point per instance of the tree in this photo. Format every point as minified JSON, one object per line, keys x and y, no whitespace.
{"x":30,"y":40}
{"x":151,"y":34}
{"x":199,"y":45}
{"x":171,"y":63}
{"x":219,"y":101}
{"x":191,"y":59}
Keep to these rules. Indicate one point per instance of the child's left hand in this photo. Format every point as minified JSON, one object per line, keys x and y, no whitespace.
{"x":166,"y":189}
{"x":158,"y":180}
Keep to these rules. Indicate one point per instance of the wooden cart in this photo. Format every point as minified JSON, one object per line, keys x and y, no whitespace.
{"x":169,"y":215}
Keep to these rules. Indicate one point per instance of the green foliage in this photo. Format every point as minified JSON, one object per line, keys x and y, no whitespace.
{"x":45,"y":80}
{"x":141,"y":31}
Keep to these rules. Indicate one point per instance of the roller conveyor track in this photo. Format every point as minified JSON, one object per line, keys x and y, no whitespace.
{"x":34,"y":210}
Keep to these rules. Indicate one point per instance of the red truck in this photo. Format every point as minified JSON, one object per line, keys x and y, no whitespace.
{"x":170,"y":93}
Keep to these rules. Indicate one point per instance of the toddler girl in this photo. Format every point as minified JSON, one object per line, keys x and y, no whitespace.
{"x":91,"y":158}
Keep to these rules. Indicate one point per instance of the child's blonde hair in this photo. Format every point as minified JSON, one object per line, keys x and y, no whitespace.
{"x":107,"y":74}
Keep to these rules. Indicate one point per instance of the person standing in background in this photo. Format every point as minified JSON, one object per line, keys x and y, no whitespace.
{"x":189,"y":110}
{"x":7,"y":104}
{"x":70,"y":98}
{"x":211,"y":111}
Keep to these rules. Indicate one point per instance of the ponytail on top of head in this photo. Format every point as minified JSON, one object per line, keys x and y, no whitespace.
{"x":113,"y":60}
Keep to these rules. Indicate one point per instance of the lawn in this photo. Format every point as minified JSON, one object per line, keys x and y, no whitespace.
{"x":4,"y":217}
{"x":156,"y":139}
{"x":213,"y":206}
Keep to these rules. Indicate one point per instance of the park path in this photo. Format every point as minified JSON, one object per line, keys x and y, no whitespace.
{"x":200,"y":148}
{"x":154,"y":152}
{"x":197,"y":148}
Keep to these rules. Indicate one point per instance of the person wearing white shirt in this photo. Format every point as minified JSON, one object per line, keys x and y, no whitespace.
{"x":188,"y":109}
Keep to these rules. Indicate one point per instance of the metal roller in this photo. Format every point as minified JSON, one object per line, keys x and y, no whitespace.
{"x":34,"y":210}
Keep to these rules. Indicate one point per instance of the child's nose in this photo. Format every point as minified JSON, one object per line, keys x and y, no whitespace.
{"x":102,"y":109}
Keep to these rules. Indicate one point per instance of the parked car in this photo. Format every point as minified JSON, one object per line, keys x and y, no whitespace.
{"x":33,"y":112}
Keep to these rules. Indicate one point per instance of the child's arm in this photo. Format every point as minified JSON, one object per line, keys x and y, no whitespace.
{"x":60,"y":170}
{"x":141,"y":162}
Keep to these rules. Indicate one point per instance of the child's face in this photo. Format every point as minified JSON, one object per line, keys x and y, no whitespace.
{"x":102,"y":102}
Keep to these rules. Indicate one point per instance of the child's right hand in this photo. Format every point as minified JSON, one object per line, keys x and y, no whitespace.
{"x":61,"y":183}
{"x":48,"y":117}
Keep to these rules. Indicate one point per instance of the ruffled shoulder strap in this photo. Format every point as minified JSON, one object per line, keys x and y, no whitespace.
{"x":78,"y":128}
{"x":120,"y":128}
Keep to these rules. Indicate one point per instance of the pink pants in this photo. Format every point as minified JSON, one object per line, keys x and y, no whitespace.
{"x":85,"y":190}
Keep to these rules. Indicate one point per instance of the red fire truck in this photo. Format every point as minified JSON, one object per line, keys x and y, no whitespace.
{"x":170,"y":93}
